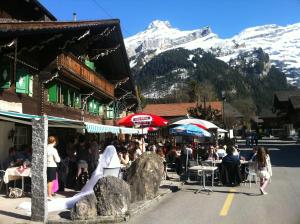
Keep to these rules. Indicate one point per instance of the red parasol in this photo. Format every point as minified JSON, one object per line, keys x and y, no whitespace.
{"x":142,"y":120}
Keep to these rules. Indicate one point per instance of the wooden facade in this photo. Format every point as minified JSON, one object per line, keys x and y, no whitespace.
{"x":51,"y":54}
{"x":82,"y":71}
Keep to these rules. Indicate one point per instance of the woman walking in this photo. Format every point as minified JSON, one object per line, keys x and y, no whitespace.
{"x":262,"y":169}
{"x":52,"y":159}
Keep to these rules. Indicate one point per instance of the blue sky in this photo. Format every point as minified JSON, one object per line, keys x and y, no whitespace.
{"x":225,"y":17}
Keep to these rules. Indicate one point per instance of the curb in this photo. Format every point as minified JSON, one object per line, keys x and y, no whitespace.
{"x":146,"y":204}
{"x":135,"y":209}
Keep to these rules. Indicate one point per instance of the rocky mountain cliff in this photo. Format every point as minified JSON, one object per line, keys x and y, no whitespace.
{"x":281,"y":43}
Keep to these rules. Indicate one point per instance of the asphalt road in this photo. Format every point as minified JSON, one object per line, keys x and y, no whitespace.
{"x":240,"y":204}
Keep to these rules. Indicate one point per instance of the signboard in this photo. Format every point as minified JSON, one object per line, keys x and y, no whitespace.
{"x":141,"y":120}
{"x":11,"y":106}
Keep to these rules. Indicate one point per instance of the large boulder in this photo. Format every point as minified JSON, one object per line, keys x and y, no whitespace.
{"x":144,"y":176}
{"x":85,"y":208}
{"x":113,"y":196}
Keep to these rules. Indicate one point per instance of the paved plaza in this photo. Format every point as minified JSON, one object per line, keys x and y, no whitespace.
{"x":239,"y":204}
{"x":225,"y":205}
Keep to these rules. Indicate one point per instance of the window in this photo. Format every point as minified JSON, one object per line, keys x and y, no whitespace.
{"x":21,"y":136}
{"x":93,"y":106}
{"x":5,"y":77}
{"x":110,"y":112}
{"x":77,"y":100}
{"x":24,"y":82}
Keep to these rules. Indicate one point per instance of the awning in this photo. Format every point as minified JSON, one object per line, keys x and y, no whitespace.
{"x":52,"y":121}
{"x":61,"y":122}
{"x":100,"y":128}
{"x":17,"y":117}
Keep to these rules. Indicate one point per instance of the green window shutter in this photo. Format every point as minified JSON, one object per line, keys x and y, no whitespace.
{"x":22,"y":83}
{"x":91,"y":106}
{"x":96,"y":107}
{"x":30,"y":87}
{"x":5,"y":77}
{"x":101,"y":109}
{"x":66,"y":95}
{"x":52,"y":93}
{"x":77,"y":100}
{"x":90,"y":64}
{"x":112,"y":112}
{"x":71,"y":98}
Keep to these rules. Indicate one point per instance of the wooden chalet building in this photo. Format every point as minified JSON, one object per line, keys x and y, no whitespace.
{"x":177,"y":111}
{"x":286,"y":106}
{"x":72,"y":71}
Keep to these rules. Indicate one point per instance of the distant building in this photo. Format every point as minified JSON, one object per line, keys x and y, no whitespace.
{"x":175,"y":111}
{"x":286,"y":107}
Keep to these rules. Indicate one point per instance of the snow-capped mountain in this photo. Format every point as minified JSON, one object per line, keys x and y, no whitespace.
{"x":281,"y":43}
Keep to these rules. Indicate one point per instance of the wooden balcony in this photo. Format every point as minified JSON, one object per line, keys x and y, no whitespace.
{"x":78,"y":68}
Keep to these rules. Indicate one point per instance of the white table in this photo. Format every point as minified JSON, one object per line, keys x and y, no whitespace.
{"x":13,"y":174}
{"x":204,"y":169}
{"x":215,"y":162}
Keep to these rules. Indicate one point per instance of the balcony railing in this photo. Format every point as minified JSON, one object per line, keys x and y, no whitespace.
{"x":77,"y":67}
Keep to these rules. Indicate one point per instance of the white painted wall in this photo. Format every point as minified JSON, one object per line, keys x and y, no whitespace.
{"x":5,"y":143}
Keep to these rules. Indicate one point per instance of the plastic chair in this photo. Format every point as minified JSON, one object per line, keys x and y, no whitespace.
{"x":251,"y":174}
{"x":115,"y":172}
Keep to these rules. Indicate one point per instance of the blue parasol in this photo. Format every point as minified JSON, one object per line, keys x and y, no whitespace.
{"x":190,"y":130}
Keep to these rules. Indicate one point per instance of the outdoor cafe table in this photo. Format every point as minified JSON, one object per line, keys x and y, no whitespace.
{"x":215,"y":162}
{"x":204,"y":169}
{"x":13,"y":174}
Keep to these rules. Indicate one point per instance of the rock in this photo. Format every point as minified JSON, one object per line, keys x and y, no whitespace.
{"x":144,"y":177}
{"x":85,"y":208}
{"x":113,"y":196}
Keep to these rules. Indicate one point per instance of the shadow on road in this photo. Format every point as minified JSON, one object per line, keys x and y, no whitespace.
{"x":14,"y":215}
{"x":221,"y":191}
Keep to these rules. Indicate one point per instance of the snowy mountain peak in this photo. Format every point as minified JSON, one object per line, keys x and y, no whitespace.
{"x":281,"y":43}
{"x":161,"y":36}
{"x":159,"y":24}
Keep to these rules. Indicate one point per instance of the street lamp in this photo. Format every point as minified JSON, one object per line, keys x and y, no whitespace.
{"x":223,"y":107}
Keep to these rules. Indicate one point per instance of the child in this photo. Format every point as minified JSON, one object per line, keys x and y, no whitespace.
{"x":262,"y":169}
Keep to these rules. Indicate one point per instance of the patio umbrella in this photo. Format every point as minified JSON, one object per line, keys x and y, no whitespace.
{"x":190,"y":130}
{"x":142,"y":120}
{"x":199,"y":122}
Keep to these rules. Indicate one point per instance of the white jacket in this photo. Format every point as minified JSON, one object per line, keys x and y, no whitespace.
{"x":52,"y":156}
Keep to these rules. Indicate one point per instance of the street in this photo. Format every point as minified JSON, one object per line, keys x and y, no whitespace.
{"x":239,"y":204}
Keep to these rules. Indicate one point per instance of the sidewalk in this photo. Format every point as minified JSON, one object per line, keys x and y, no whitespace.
{"x":10,"y":214}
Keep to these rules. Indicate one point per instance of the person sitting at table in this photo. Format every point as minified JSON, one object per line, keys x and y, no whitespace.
{"x":52,"y":159}
{"x":173,"y":160}
{"x":252,"y":156}
{"x":230,"y":173}
{"x":11,"y":159}
{"x":221,"y":151}
{"x":212,"y":155}
{"x":123,"y":156}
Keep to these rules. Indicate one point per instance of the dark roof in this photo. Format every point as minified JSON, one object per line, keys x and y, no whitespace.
{"x":265,"y":113}
{"x":25,"y":10}
{"x":256,"y":119}
{"x":13,"y":26}
{"x":284,"y":96}
{"x":231,"y":111}
{"x":295,"y":101}
{"x":177,"y":109}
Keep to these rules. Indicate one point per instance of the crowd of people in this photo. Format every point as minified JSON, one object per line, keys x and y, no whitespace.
{"x":71,"y":162}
